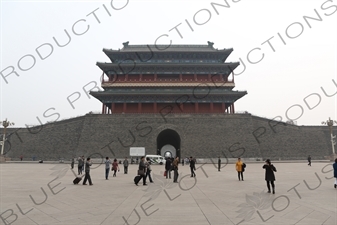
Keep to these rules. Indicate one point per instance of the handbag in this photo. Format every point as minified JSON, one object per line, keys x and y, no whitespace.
{"x":141,"y":172}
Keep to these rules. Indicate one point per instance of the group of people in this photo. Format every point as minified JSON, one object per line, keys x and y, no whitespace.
{"x":269,"y":173}
{"x":144,"y":170}
{"x":185,"y":161}
{"x":172,"y":164}
{"x":115,"y":167}
{"x":88,"y":163}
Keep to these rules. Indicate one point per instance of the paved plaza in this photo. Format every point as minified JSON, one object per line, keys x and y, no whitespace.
{"x":33,"y":193}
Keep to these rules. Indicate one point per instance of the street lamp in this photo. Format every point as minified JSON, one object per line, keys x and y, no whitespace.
{"x":5,"y":124}
{"x":330,"y":123}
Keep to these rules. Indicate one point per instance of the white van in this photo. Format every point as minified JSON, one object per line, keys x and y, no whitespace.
{"x":156,"y":159}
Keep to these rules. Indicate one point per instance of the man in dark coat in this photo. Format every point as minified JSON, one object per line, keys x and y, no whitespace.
{"x":142,"y":167}
{"x":270,"y":177}
{"x":168,"y":166}
{"x":309,"y":160}
{"x":192,"y":166}
{"x":335,"y":172}
{"x":80,"y":165}
{"x":87,"y":172}
{"x":175,"y":169}
{"x":126,"y":165}
{"x":219,"y":163}
{"x":72,"y":163}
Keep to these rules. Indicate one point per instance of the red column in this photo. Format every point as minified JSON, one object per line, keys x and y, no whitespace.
{"x":211,"y":105}
{"x":124,"y":107}
{"x":139,"y":107}
{"x":181,"y":107}
{"x":223,"y":107}
{"x":155,"y":107}
{"x":232,"y":108}
{"x":112,"y":107}
{"x":126,"y":77}
{"x":195,"y":77}
{"x":140,"y":77}
{"x":196,"y":107}
{"x":103,"y":108}
{"x":180,"y":77}
{"x":155,"y":77}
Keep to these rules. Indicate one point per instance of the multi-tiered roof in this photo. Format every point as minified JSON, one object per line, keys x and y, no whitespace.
{"x":182,"y":78}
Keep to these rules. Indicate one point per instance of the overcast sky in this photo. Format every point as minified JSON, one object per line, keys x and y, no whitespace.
{"x":299,"y":53}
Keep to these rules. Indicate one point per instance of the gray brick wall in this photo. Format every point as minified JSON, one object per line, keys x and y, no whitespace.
{"x":202,"y":136}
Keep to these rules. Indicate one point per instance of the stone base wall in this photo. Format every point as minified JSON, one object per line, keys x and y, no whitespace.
{"x":201,"y":136}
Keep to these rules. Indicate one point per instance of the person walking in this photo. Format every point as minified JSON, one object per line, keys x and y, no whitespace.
{"x":72,"y":163}
{"x":21,"y":157}
{"x":87,"y":172}
{"x":168,"y":166}
{"x":270,"y":176}
{"x":115,"y":167}
{"x":175,"y":168}
{"x":219,"y":163}
{"x":80,"y":165}
{"x":335,"y":172}
{"x":192,"y":166}
{"x":148,"y":169}
{"x":126,"y":165}
{"x":239,"y":168}
{"x":187,"y":160}
{"x":309,"y":160}
{"x":107,"y":167}
{"x":142,"y":170}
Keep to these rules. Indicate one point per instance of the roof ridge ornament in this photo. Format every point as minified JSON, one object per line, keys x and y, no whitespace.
{"x":126,"y":44}
{"x":210,"y":44}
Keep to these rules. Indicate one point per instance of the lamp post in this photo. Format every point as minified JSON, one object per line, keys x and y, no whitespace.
{"x":5,"y":124}
{"x":330,"y":123}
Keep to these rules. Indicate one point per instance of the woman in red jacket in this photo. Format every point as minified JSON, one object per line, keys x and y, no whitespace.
{"x":115,"y":167}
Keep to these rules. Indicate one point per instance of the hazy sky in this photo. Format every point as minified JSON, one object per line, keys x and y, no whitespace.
{"x":299,"y":53}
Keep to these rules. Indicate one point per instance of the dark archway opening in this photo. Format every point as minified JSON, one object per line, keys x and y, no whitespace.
{"x":166,"y":138}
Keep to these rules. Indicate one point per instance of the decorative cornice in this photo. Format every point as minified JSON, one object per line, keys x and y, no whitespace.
{"x":183,"y":55}
{"x":162,"y":84}
{"x":169,"y":98}
{"x":167,"y":68}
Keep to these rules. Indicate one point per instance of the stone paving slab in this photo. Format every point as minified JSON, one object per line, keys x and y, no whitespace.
{"x":33,"y":193}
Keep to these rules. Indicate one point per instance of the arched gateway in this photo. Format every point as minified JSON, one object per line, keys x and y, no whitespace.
{"x":168,"y":143}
